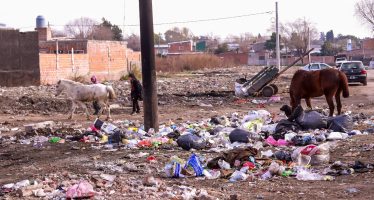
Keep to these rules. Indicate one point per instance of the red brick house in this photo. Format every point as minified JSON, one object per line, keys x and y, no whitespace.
{"x":181,"y":47}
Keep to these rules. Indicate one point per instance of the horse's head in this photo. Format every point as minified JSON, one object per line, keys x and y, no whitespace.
{"x":59,"y":88}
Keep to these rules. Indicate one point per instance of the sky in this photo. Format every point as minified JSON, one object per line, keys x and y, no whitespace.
{"x":336,"y":15}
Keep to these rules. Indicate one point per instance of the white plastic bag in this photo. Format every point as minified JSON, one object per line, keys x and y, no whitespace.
{"x":238,"y":90}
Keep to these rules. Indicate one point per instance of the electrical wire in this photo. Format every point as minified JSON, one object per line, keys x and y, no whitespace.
{"x":180,"y":22}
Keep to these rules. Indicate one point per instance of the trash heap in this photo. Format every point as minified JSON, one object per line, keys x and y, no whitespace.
{"x":255,"y":146}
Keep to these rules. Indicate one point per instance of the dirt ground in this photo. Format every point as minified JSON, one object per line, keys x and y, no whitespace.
{"x":185,"y":97}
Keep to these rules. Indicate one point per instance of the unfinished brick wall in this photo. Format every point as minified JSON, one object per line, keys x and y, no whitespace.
{"x":64,"y":46}
{"x":69,"y":66}
{"x":107,"y":59}
{"x":19,"y":58}
{"x":236,"y":58}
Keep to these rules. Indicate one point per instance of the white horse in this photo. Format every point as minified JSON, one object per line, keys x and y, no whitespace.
{"x":79,"y":93}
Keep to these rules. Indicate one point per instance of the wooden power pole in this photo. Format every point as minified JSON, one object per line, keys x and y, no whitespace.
{"x":150,"y":102}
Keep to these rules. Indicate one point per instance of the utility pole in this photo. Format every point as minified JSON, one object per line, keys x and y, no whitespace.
{"x":277,"y":48}
{"x":150,"y":102}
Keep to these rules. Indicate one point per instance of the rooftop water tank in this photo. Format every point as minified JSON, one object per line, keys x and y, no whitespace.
{"x":349,"y":45}
{"x":40,"y":22}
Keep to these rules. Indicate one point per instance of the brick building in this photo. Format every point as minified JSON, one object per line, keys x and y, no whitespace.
{"x":34,"y":58}
{"x":182,"y":47}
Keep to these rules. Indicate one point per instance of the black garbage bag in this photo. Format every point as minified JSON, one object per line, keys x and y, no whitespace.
{"x":215,"y":120}
{"x":239,"y":135}
{"x":340,"y":123}
{"x":215,"y":131}
{"x":306,"y":119}
{"x":173,"y":135}
{"x":283,"y":155}
{"x":283,"y":127}
{"x":312,"y":120}
{"x":115,"y":137}
{"x":191,"y":141}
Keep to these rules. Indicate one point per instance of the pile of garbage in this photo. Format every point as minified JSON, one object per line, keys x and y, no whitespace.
{"x":256,"y":146}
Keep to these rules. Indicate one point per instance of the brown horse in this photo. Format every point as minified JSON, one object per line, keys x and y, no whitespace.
{"x":309,"y":84}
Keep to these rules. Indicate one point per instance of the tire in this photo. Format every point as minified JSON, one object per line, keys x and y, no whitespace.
{"x":275,"y":88}
{"x":365,"y":82}
{"x":268,"y":91}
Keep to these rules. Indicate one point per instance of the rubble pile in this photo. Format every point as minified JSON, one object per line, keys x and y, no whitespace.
{"x":256,"y":146}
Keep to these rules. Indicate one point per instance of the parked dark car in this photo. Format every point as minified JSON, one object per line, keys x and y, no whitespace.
{"x":355,"y":71}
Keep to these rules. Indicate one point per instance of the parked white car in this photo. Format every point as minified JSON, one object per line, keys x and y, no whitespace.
{"x":316,"y":66}
{"x":339,"y":61}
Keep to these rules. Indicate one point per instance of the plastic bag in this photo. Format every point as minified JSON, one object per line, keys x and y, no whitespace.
{"x":174,"y":168}
{"x":238,"y":176}
{"x":223,"y":164}
{"x":238,"y":88}
{"x":306,"y":175}
{"x":212,"y":174}
{"x":311,"y":154}
{"x":239,"y":135}
{"x":254,"y":126}
{"x":311,"y":120}
{"x":340,"y":123}
{"x":322,"y":156}
{"x":81,"y":190}
{"x":337,"y":136}
{"x":270,"y":140}
{"x":190,"y":141}
{"x":195,"y":164}
{"x":283,"y":127}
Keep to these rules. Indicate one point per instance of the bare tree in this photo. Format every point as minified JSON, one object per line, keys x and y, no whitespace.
{"x":364,"y":10}
{"x":81,"y":28}
{"x":102,"y":33}
{"x":133,"y":42}
{"x":58,"y":33}
{"x":296,"y":35}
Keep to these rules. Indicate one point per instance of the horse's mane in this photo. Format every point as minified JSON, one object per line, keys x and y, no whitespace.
{"x":70,"y":82}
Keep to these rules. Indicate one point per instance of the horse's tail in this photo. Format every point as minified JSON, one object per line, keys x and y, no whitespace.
{"x":343,"y":84}
{"x":112,"y":95}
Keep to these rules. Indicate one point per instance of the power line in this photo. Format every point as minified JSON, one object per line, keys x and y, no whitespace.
{"x":211,"y":19}
{"x":184,"y":22}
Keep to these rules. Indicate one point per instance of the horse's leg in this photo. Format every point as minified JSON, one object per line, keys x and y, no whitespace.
{"x":338,"y":102}
{"x":330,"y":102}
{"x":295,"y":101}
{"x":308,"y":103}
{"x":85,"y":108}
{"x":73,"y":107}
{"x":108,"y":110}
{"x":101,"y":109}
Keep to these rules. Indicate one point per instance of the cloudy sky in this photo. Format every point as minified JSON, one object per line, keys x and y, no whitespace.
{"x":337,"y":15}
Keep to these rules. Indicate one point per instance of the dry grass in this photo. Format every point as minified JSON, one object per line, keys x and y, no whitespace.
{"x":174,"y":64}
{"x":79,"y":78}
{"x":136,"y":71}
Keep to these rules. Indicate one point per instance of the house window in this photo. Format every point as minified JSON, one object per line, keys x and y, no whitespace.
{"x":261,"y":57}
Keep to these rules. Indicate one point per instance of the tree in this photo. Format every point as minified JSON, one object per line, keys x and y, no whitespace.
{"x":330,"y":36}
{"x":107,"y":31}
{"x":158,"y":39}
{"x":364,"y":10}
{"x":322,"y":37}
{"x":271,"y":43}
{"x":133,"y":42}
{"x":330,"y":49}
{"x":81,"y":28}
{"x":176,"y":34}
{"x":222,"y":48}
{"x":58,"y":33}
{"x":296,"y":35}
